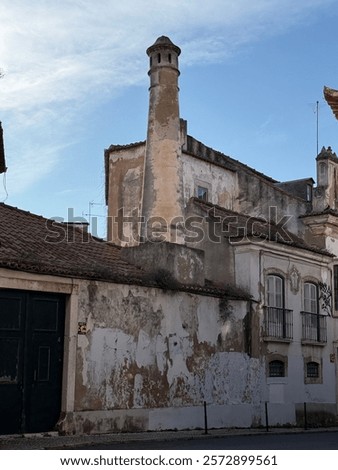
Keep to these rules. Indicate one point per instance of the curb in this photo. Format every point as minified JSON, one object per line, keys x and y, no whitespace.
{"x":52,"y":440}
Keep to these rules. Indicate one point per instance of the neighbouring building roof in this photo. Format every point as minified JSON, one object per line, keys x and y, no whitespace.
{"x":298,"y":188}
{"x":32,"y":243}
{"x":331,"y":97}
{"x":241,"y":226}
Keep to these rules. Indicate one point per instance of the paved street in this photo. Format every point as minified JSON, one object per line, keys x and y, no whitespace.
{"x":293,"y":441}
{"x":236,"y":439}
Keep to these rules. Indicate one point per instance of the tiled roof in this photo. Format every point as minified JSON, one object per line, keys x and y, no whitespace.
{"x":238,"y":227}
{"x":32,"y":243}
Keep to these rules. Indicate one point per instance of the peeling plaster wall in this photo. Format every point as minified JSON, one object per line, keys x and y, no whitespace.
{"x":242,"y":191}
{"x":125,"y":192}
{"x":221,"y":183}
{"x":150,"y":359}
{"x":259,"y":197}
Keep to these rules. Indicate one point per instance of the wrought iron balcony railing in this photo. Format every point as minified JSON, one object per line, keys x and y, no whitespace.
{"x":314,"y":327}
{"x":278,"y":323}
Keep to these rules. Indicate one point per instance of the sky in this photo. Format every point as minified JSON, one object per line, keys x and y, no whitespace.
{"x":75,"y":81}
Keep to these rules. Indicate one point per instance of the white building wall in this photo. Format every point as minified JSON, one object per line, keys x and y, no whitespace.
{"x":221,"y":183}
{"x":287,"y":395}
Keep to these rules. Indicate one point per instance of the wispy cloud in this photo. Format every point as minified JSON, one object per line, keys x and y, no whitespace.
{"x":59,"y":55}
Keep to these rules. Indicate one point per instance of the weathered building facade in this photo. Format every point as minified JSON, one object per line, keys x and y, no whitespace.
{"x":275,"y":240}
{"x":91,"y":343}
{"x":218,"y":285}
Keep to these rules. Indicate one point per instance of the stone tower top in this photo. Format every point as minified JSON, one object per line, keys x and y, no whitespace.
{"x":163,"y":53}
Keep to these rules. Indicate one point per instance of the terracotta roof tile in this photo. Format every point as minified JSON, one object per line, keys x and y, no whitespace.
{"x":32,"y":243}
{"x":253,"y":228}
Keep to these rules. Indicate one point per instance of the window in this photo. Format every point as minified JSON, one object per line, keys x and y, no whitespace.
{"x":277,"y":319}
{"x":275,"y":291}
{"x":313,"y":323}
{"x":276,"y":369}
{"x":310,"y":297}
{"x":202,"y":193}
{"x":335,"y":277}
{"x":308,"y":192}
{"x":312,"y":370}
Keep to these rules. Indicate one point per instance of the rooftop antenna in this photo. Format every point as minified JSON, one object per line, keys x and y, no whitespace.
{"x":317,"y":126}
{"x":90,"y":216}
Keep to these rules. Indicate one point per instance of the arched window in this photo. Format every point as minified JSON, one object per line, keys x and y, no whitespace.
{"x":276,"y":368}
{"x":275,"y":291}
{"x":310,"y":297}
{"x":312,"y":369}
{"x":277,"y":319}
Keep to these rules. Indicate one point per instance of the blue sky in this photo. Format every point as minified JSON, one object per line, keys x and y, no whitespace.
{"x":76,"y":81}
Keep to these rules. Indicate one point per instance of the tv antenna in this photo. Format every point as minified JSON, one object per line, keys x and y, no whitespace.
{"x":317,"y":126}
{"x":90,"y":214}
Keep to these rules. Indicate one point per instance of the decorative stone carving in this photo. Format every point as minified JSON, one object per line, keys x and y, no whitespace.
{"x":294,"y":279}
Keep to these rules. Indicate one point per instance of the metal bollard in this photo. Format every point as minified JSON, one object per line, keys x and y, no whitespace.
{"x":266,"y":417}
{"x":205,"y":418}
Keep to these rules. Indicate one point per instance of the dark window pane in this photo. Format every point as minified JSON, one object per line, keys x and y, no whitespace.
{"x":10,"y":313}
{"x":202,"y":193}
{"x":276,"y":369}
{"x":312,"y":369}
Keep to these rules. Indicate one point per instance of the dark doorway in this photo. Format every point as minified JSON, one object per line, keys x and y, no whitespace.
{"x":31,"y":356}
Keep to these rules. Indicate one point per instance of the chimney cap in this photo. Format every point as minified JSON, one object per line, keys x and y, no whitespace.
{"x":163,"y":42}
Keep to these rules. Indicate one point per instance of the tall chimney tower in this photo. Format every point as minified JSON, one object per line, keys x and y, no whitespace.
{"x":162,"y":206}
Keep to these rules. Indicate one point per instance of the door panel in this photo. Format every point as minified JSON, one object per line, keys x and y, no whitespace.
{"x":31,"y":352}
{"x":11,"y":354}
{"x":47,"y":325}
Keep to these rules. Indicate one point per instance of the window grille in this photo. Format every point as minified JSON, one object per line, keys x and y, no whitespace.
{"x":312,"y":369}
{"x":276,"y":369}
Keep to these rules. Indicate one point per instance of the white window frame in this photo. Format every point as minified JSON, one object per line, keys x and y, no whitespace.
{"x":275,"y":291}
{"x":310,"y":297}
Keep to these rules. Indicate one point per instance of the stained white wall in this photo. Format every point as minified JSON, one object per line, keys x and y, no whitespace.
{"x":221,"y":183}
{"x":151,"y":358}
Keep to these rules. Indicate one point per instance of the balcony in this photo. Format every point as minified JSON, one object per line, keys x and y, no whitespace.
{"x":278,"y":324}
{"x":314,"y":329}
